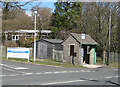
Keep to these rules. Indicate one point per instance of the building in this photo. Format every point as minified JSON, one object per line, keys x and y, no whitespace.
{"x":45,"y":47}
{"x":24,"y":34}
{"x":79,"y":49}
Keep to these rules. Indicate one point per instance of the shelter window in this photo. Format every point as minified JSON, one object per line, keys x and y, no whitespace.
{"x":71,"y":50}
{"x":88,"y":49}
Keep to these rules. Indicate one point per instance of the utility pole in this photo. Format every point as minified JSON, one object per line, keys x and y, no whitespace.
{"x":35,"y":13}
{"x":109,"y":37}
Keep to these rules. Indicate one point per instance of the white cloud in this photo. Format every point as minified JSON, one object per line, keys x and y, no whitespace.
{"x":29,"y":13}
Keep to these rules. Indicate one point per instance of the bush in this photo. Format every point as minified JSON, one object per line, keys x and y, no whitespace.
{"x":25,"y":43}
{"x":10,"y":44}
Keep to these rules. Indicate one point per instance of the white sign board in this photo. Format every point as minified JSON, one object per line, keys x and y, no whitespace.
{"x":18,"y":53}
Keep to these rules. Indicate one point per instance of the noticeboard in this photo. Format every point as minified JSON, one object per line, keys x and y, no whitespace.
{"x":17,"y":52}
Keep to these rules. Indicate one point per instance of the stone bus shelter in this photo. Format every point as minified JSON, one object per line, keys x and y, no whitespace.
{"x":79,"y":51}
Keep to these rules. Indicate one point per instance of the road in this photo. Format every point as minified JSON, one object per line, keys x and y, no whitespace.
{"x":16,"y":73}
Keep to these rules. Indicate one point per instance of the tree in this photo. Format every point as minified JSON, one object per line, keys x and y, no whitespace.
{"x":14,"y":17}
{"x":8,"y":6}
{"x":43,"y":18}
{"x":66,"y":15}
{"x":95,"y":22}
{"x":17,"y":20}
{"x":118,"y":27}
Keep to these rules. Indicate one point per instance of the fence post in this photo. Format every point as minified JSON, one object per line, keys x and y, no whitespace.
{"x":53,"y":54}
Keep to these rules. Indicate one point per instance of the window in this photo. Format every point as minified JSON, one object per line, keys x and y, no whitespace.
{"x":13,"y":37}
{"x":71,"y":50}
{"x":16,"y":37}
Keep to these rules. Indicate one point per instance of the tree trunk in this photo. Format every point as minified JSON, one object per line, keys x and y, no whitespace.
{"x":104,"y":56}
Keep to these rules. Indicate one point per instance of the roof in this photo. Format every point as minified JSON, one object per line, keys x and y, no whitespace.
{"x":28,"y":31}
{"x":54,"y":41}
{"x":87,"y":41}
{"x":46,"y":31}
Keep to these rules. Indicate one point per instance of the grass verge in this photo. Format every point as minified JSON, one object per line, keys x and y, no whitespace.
{"x":114,"y":65}
{"x":45,"y":62}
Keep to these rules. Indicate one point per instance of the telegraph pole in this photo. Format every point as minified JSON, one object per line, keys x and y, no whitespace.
{"x":109,"y":36}
{"x":35,"y":13}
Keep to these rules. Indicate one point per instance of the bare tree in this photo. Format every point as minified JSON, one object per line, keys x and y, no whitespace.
{"x":95,"y":22}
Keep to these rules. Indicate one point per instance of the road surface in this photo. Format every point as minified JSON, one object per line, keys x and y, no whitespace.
{"x":16,"y":73}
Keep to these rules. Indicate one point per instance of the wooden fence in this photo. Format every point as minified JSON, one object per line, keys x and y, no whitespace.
{"x":57,"y":55}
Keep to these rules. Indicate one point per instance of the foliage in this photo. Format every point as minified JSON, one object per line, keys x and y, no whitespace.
{"x":66,"y":16}
{"x":43,"y":18}
{"x":95,"y":22}
{"x":17,"y":19}
{"x":10,"y":44}
{"x":25,"y":43}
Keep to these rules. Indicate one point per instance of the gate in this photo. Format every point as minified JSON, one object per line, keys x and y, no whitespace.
{"x":42,"y":50}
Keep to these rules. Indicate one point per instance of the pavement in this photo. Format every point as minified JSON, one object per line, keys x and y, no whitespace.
{"x":92,"y":66}
{"x":17,"y":73}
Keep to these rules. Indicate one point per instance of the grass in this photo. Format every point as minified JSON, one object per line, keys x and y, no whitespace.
{"x":114,"y":65}
{"x":99,"y":60}
{"x":46,"y":62}
{"x":111,"y":64}
{"x":57,"y":63}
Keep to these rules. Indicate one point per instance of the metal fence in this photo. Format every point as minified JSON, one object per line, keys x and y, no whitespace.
{"x":114,"y":58}
{"x":57,"y":55}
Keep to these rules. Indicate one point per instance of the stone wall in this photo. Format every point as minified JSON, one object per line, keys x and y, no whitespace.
{"x":66,"y":50}
{"x":92,"y":56}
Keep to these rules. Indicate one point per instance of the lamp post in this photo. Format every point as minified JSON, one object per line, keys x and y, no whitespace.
{"x":35,"y":14}
{"x":82,"y":50}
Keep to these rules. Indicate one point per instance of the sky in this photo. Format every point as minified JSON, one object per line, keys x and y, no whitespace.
{"x":42,"y":4}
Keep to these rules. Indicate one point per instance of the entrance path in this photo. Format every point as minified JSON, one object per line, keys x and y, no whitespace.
{"x":92,"y":66}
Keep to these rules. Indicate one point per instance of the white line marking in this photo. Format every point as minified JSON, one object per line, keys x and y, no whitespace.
{"x":77,"y":71}
{"x":21,"y":68}
{"x":8,"y":69}
{"x":48,"y":72}
{"x":116,"y":76}
{"x":2,"y":75}
{"x":28,"y":73}
{"x":43,"y":73}
{"x":111,"y":77}
{"x":1,"y":64}
{"x":15,"y":67}
{"x":8,"y":66}
{"x":63,"y":71}
{"x":38,"y":73}
{"x":14,"y":75}
{"x":71,"y":71}
{"x":13,"y":70}
{"x":62,"y":82}
{"x":56,"y":72}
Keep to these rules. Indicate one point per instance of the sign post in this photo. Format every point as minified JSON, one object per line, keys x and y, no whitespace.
{"x":22,"y":53}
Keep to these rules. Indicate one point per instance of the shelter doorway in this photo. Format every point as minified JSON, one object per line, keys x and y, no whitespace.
{"x":72,"y":53}
{"x":86,"y":58}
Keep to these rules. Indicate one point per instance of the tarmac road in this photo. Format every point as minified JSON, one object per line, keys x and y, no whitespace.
{"x":16,"y":73}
